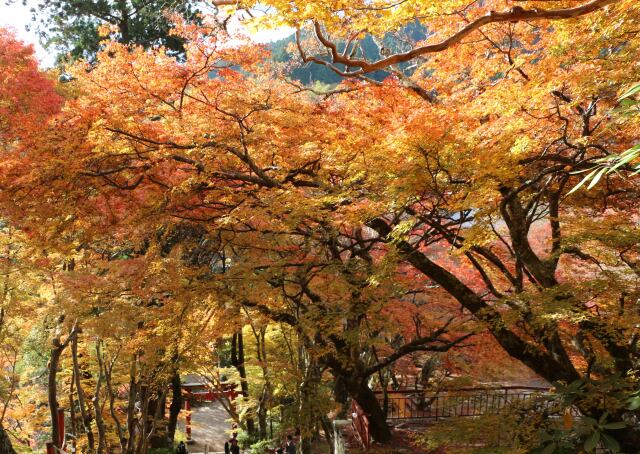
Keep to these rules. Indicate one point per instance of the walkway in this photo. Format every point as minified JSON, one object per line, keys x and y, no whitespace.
{"x":208,"y":427}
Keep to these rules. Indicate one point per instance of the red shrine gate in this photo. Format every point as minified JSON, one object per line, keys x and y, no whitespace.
{"x":194,"y":391}
{"x":200,"y":392}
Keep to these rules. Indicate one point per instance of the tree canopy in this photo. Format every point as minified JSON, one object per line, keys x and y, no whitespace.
{"x":314,"y":244}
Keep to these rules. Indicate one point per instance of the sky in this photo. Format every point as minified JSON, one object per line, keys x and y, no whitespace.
{"x":17,"y":16}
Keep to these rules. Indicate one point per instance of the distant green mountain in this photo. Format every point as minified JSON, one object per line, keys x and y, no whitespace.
{"x":312,"y":73}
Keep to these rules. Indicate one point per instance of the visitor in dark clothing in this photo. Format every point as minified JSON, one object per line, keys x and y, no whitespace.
{"x":290,"y":447}
{"x":232,"y":446}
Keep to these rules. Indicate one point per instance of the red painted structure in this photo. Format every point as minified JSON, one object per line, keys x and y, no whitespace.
{"x":202,"y":392}
{"x":360,"y":424}
{"x":187,"y":409}
{"x":197,"y":391}
{"x":50,"y":445}
{"x":61,"y":428}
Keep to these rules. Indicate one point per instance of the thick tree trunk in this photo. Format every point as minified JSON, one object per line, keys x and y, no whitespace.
{"x":176,"y":405}
{"x":5,"y":443}
{"x":341,"y":395}
{"x":123,"y":24}
{"x":368,"y":401}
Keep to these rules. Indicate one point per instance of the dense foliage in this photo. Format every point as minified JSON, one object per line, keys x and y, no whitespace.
{"x":410,"y":224}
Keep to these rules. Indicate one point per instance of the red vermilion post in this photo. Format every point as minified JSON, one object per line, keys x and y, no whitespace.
{"x":187,"y":408}
{"x":61,"y":428}
{"x":50,"y":449}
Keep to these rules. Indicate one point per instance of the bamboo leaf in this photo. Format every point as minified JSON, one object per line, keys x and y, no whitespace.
{"x":597,"y":177}
{"x":583,"y":181}
{"x":632,"y":91}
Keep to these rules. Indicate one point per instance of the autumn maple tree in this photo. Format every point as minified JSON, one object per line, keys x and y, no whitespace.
{"x":367,"y":227}
{"x":27,"y":99}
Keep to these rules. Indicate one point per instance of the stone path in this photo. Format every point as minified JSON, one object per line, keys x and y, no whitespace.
{"x":208,"y":427}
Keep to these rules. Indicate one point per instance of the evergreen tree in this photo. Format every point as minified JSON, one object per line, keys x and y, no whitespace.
{"x":71,"y":27}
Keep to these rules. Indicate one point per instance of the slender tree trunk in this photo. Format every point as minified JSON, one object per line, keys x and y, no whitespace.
{"x":176,"y":405}
{"x":102,"y":438}
{"x":237,"y":359}
{"x":309,"y":410}
{"x":265,"y":396}
{"x":328,"y":432}
{"x":153,"y":433}
{"x":141,"y":446}
{"x":72,"y":410}
{"x":5,"y":443}
{"x":84,"y":412}
{"x":123,"y":24}
{"x":131,"y":407}
{"x":262,"y":414}
{"x":57,"y":347}
{"x":157,"y":426}
{"x":112,"y":410}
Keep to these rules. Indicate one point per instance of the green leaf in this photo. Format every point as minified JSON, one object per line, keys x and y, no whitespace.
{"x":622,"y":159}
{"x":610,"y":442}
{"x":592,"y":442}
{"x":584,"y":180}
{"x":634,"y":403}
{"x":597,"y":177}
{"x":632,"y":91}
{"x":626,"y":103}
{"x":603,"y":418}
{"x":615,"y":425}
{"x":549,"y":449}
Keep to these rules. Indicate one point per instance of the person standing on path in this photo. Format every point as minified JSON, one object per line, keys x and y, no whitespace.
{"x":290,"y":447}
{"x":181,"y":449}
{"x":232,"y":446}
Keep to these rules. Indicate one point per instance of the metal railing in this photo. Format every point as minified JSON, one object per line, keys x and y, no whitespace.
{"x":454,"y":403}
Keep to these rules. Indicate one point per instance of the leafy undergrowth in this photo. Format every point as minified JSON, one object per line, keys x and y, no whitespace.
{"x":402,"y":443}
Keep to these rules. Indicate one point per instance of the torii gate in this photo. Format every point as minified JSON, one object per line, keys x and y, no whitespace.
{"x":197,"y":391}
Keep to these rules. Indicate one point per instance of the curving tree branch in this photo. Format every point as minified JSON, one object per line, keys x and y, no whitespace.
{"x":514,"y":14}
